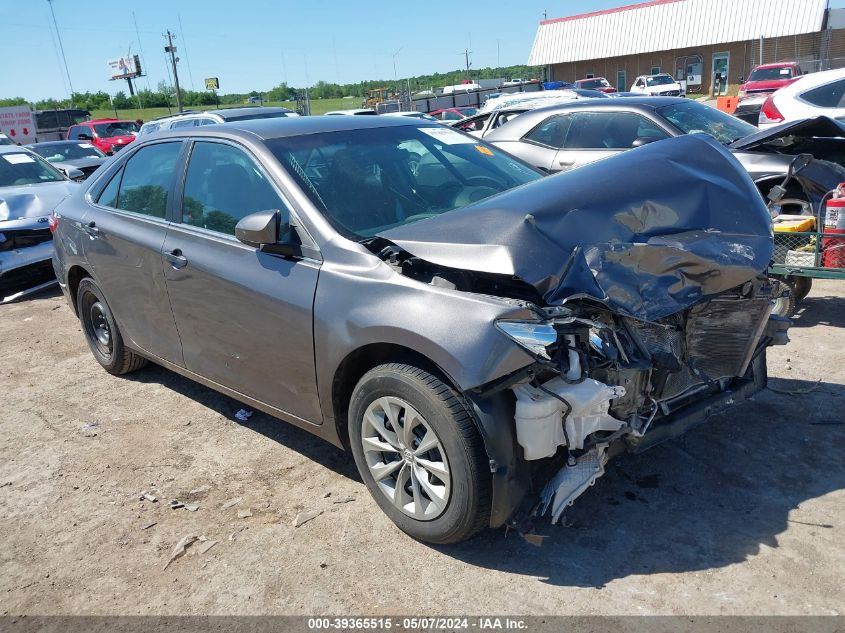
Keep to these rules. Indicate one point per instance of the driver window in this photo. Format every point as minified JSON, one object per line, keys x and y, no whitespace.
{"x":224,"y":185}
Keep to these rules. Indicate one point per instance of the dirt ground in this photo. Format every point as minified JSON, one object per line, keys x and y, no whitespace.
{"x":745,"y":515}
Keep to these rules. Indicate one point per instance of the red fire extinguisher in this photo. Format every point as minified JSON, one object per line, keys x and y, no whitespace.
{"x":833,"y":248}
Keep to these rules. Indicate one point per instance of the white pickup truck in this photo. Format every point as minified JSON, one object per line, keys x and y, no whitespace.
{"x":660,"y":85}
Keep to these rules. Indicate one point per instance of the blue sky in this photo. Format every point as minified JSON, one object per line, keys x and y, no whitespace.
{"x":254,"y":45}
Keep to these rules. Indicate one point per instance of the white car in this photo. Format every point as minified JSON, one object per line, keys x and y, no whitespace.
{"x":660,"y":85}
{"x":352,"y":112}
{"x":816,"y":94}
{"x":414,"y":114}
{"x":211,"y":117}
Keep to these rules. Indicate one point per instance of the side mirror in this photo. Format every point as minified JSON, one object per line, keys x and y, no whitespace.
{"x":800,"y":163}
{"x":261,"y":229}
{"x":643,"y":140}
{"x":73,"y":173}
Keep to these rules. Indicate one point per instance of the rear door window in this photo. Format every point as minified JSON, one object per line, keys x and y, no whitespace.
{"x":184,"y":123}
{"x":147,"y":179}
{"x":551,"y":132}
{"x":826,"y":96}
{"x":609,"y":130}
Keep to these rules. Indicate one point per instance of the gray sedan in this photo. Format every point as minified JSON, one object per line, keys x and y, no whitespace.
{"x":75,"y":159}
{"x":414,"y":294}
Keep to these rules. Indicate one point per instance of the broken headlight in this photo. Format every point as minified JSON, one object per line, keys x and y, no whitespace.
{"x":535,"y":336}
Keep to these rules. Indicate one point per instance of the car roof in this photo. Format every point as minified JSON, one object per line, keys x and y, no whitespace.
{"x":245,"y":111}
{"x":61,"y":142}
{"x":267,"y":129}
{"x":776,"y":65}
{"x":14,"y":149}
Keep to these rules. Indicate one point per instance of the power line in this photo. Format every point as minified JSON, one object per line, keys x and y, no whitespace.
{"x":61,"y":48}
{"x":185,"y":50}
{"x":58,"y":58}
{"x":143,"y":56}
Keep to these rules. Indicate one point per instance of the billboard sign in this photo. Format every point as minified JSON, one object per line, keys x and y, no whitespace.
{"x":125,"y":67}
{"x":212,"y":83}
{"x":18,"y":123}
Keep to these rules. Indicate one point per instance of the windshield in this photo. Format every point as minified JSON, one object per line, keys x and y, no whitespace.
{"x":468,"y":111}
{"x":659,"y":80}
{"x":5,"y":140}
{"x":369,"y":180}
{"x":692,"y":118}
{"x":770,"y":74}
{"x":592,"y":84}
{"x":25,"y":169}
{"x":117,"y":128}
{"x":58,"y":152}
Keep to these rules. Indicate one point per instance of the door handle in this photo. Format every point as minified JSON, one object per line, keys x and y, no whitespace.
{"x":176,"y":259}
{"x":91,"y":229}
{"x":566,"y":163}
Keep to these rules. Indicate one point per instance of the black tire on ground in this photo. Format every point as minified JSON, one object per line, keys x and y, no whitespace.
{"x":803,"y":285}
{"x":785,"y":306}
{"x":467,"y":508}
{"x":96,"y":318}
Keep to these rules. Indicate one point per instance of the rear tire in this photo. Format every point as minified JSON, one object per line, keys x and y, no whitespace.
{"x":101,"y":331}
{"x":803,"y":285}
{"x":417,"y":436}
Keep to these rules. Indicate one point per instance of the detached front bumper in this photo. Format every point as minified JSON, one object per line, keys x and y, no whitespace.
{"x":24,"y":271}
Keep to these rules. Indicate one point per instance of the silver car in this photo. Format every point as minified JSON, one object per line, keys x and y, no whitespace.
{"x":30,"y":189}
{"x":413,"y":294}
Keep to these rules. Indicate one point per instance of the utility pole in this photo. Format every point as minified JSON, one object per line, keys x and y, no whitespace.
{"x":173,"y":59}
{"x":466,"y":55}
{"x":62,"y":48}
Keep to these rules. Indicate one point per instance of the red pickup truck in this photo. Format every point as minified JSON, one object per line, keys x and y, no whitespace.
{"x":767,"y":78}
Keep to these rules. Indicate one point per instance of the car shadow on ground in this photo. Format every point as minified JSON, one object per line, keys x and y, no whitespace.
{"x":820,"y":309}
{"x":707,"y":500}
{"x":299,"y":440}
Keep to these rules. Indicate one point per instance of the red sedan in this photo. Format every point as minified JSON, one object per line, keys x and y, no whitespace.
{"x":453,"y":114}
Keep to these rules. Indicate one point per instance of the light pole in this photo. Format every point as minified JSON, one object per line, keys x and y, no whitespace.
{"x":395,"y":78}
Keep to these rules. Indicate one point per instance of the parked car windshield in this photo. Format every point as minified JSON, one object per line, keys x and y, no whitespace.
{"x":591,"y":84}
{"x":692,"y":118}
{"x":118,"y":128}
{"x":58,"y":152}
{"x":25,"y":169}
{"x":659,"y":80}
{"x":769,"y":74}
{"x":368,"y":180}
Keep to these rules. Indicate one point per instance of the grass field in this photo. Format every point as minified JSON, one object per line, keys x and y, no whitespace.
{"x":318,"y":106}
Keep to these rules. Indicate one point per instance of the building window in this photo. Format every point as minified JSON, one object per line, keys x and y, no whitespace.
{"x":621,"y":81}
{"x":590,"y":76}
{"x":655,"y":70}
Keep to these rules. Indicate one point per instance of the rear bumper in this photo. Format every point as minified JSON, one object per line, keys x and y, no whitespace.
{"x":25,"y":270}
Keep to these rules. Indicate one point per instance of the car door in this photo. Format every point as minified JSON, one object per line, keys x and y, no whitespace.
{"x":592,"y":136}
{"x":126,"y":223}
{"x":244,"y":315}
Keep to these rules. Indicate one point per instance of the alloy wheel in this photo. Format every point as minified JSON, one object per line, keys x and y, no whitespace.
{"x":406,"y":458}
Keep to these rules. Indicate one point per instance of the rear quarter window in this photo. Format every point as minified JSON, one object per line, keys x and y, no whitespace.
{"x":826,"y":96}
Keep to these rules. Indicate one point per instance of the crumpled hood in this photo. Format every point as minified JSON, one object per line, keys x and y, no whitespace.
{"x":648,"y":232}
{"x":33,"y":201}
{"x":820,"y":126}
{"x":81,"y":163}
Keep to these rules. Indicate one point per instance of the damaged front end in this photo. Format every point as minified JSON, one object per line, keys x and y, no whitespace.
{"x":606,"y":382}
{"x":645,"y":274}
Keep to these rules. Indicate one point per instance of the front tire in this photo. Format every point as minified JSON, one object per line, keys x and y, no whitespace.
{"x":101,"y":331}
{"x":420,"y":454}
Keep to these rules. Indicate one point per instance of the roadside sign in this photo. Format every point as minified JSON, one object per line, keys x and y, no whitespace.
{"x":212,"y":83}
{"x":18,"y":123}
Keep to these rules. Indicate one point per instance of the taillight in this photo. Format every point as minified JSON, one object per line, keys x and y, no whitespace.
{"x":769,"y":112}
{"x":53,"y":222}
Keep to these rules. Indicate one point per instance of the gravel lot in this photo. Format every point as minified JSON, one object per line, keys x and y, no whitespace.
{"x":743,"y":516}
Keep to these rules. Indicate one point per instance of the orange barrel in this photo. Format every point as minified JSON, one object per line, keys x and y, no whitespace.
{"x":833,"y":248}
